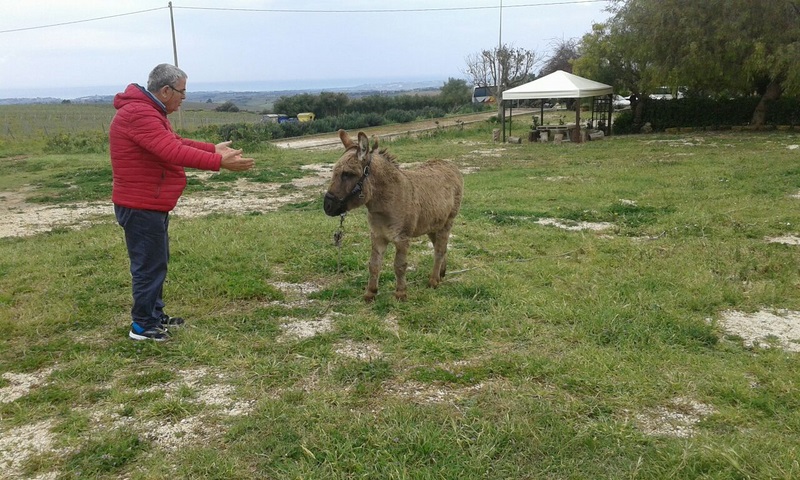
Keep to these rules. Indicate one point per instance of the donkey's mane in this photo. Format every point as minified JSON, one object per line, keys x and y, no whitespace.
{"x":384,"y":153}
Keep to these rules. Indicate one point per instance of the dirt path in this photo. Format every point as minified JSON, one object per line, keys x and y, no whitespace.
{"x":330,"y":141}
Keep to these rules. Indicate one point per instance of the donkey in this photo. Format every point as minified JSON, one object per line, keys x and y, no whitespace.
{"x":401,"y":205}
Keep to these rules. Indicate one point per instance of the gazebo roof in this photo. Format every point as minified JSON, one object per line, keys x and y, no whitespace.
{"x":558,"y":84}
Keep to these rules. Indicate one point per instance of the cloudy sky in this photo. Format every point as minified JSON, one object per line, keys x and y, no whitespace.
{"x":81,"y":47}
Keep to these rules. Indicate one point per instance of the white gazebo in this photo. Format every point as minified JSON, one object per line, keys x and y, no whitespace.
{"x":558,"y":84}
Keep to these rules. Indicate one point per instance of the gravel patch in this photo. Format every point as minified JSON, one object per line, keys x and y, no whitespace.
{"x":676,"y":419}
{"x":765,"y":329}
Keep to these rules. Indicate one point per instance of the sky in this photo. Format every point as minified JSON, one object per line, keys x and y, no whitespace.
{"x":73,"y":48}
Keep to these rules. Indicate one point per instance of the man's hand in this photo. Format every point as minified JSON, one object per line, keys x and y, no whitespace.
{"x":232,"y":159}
{"x":223,"y":147}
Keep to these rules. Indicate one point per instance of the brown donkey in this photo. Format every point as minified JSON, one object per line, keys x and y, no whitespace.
{"x":401,"y":205}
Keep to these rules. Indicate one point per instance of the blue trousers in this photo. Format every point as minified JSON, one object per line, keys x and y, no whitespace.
{"x":147,"y":239}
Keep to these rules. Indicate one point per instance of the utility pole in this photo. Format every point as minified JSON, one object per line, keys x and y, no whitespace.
{"x":497,"y":57}
{"x":500,"y":35}
{"x":175,"y":56}
{"x":499,"y":87}
{"x":174,"y":43}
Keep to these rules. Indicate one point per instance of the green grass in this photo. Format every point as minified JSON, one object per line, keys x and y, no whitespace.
{"x":537,"y":357}
{"x":29,"y":122}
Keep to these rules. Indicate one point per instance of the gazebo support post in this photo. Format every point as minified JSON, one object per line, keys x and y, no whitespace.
{"x":503,"y":121}
{"x":541,"y":112}
{"x":510,"y":118}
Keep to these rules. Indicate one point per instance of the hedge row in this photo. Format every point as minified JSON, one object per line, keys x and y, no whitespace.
{"x":330,"y":105}
{"x":251,"y":136}
{"x":706,"y":113}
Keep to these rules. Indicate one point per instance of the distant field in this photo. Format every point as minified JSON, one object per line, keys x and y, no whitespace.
{"x":24,"y":122}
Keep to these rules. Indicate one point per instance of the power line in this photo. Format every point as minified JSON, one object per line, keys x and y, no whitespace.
{"x":291,"y":10}
{"x":391,"y":10}
{"x":80,"y":21}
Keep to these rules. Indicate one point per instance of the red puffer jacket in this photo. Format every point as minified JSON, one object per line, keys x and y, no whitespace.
{"x":147,"y":157}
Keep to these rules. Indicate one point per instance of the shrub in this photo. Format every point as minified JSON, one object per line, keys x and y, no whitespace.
{"x":707,"y":113}
{"x":623,"y":123}
{"x":228,"y":106}
{"x":245,"y":135}
{"x":396,"y":115}
{"x":431,"y":112}
{"x":84,"y":142}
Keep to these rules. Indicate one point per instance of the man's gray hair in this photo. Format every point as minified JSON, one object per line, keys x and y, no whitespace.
{"x":163,"y":75}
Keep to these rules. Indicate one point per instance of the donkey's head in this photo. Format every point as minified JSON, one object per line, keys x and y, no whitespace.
{"x":351,"y":171}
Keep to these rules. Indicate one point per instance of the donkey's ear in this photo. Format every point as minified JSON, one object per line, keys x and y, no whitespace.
{"x":363,"y":145}
{"x":374,"y":142}
{"x":346,"y":140}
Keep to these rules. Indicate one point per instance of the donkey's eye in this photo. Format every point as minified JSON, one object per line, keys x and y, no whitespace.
{"x":348,"y":176}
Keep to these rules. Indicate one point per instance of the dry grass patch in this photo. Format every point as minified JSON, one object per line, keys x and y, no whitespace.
{"x":765,"y":329}
{"x":784,"y":239}
{"x":428,"y":393}
{"x":296,"y":329}
{"x":19,"y":444}
{"x":677,"y":419}
{"x":20,"y":384}
{"x":575,"y":226}
{"x":358,"y":350}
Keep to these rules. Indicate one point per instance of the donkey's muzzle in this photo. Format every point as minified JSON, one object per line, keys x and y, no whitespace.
{"x":333,"y":206}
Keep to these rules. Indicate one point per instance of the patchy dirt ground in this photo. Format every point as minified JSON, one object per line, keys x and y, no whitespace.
{"x":215,"y":392}
{"x":217,"y":398}
{"x":20,"y":219}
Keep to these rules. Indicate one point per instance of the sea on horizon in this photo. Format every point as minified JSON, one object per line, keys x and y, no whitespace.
{"x":71,"y":93}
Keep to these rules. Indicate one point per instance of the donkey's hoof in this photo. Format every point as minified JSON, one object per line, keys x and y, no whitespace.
{"x":400,"y":296}
{"x":369,"y":297}
{"x":433,"y":283}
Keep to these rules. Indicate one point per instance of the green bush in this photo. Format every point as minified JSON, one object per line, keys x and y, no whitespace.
{"x":623,"y":123}
{"x":83,"y":142}
{"x":396,"y":115}
{"x":707,"y":113}
{"x":228,"y":106}
{"x":431,"y":112}
{"x":251,"y":137}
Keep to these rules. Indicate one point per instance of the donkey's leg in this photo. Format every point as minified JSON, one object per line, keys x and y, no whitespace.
{"x":400,"y":266}
{"x":439,"y":240}
{"x":444,"y":237}
{"x":375,"y":263}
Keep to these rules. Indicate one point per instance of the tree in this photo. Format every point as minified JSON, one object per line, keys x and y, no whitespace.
{"x":609,"y":55}
{"x":503,"y":67}
{"x":714,"y":46}
{"x":564,"y":53}
{"x":454,"y":93}
{"x":291,"y":106}
{"x":331,"y":104}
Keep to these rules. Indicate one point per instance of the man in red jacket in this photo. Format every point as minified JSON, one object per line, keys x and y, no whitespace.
{"x":148,"y":160}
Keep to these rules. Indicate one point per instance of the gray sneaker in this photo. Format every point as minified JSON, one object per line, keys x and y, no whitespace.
{"x":170,"y":322}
